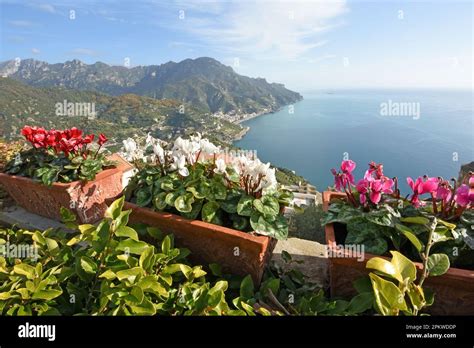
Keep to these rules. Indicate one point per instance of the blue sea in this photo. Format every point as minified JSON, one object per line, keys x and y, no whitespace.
{"x":315,"y":134}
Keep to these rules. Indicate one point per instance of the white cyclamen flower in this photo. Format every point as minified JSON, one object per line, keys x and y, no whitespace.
{"x":159,"y":152}
{"x":220,"y":166}
{"x":179,"y":164}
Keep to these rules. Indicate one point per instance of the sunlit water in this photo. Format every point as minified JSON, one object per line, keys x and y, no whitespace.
{"x":326,"y":126}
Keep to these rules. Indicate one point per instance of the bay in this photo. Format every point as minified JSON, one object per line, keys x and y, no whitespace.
{"x":315,"y":134}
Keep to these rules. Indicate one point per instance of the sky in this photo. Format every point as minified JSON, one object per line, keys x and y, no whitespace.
{"x":305,"y":45}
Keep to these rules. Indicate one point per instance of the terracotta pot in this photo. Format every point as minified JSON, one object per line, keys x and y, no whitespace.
{"x":237,"y":252}
{"x":85,"y":199}
{"x":454,"y":290}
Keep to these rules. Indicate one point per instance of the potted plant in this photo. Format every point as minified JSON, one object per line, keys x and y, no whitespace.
{"x":225,"y":210}
{"x":372,"y":214}
{"x":63,"y":168}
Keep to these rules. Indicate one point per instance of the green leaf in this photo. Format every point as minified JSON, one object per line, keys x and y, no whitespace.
{"x":114,"y":210}
{"x":25,"y":270}
{"x":129,"y":274}
{"x":447,"y":224}
{"x":132,"y":246}
{"x":361,"y":231}
{"x":125,"y":231}
{"x":178,"y":267}
{"x":420,"y":220}
{"x":277,"y":228}
{"x":171,"y":197}
{"x":86,"y":229}
{"x":417,"y":297}
{"x":267,"y":205}
{"x":146,"y":259}
{"x":46,"y":294}
{"x":244,"y":206}
{"x":221,"y":285}
{"x":385,"y":267}
{"x":198,"y":194}
{"x":144,"y":308}
{"x":362,"y":285}
{"x":438,"y":264}
{"x":159,"y":201}
{"x":361,"y":303}
{"x":144,"y":196}
{"x":122,"y":219}
{"x":184,"y":203}
{"x":195,"y":211}
{"x":166,"y":245}
{"x":108,"y":274}
{"x":272,"y":284}
{"x":404,"y":266}
{"x":388,"y":297}
{"x":408,"y":233}
{"x":88,"y":265}
{"x":209,"y":211}
{"x":247,"y":288}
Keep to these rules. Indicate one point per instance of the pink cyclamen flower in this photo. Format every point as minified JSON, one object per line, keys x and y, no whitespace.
{"x":375,"y":188}
{"x":375,"y":171}
{"x":471,"y":188}
{"x":422,"y":186}
{"x":463,"y":197}
{"x":444,"y":191}
{"x":341,"y":180}
{"x":337,"y":180}
{"x":348,"y":166}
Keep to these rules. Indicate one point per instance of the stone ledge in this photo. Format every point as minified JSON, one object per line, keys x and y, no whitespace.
{"x":18,"y":216}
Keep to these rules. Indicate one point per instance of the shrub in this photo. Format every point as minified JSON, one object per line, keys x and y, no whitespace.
{"x":59,"y":156}
{"x":190,"y":178}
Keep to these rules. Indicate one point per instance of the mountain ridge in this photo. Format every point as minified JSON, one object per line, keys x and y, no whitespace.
{"x":203,"y":82}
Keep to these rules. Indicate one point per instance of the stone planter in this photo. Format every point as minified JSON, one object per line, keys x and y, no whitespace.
{"x":454,"y":290}
{"x":85,"y":199}
{"x":237,"y":252}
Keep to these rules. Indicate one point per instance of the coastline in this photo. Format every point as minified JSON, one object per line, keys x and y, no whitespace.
{"x":241,"y":134}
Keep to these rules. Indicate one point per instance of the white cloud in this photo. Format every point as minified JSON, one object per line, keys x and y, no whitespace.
{"x":35,"y":51}
{"x":284,"y":29}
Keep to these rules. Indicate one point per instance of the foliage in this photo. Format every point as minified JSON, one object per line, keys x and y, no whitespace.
{"x":59,"y":156}
{"x":109,"y":269}
{"x":190,"y":179}
{"x":394,"y":288}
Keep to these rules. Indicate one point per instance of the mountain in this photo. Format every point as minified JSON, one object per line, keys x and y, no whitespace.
{"x":118,"y":116}
{"x":202,"y":82}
